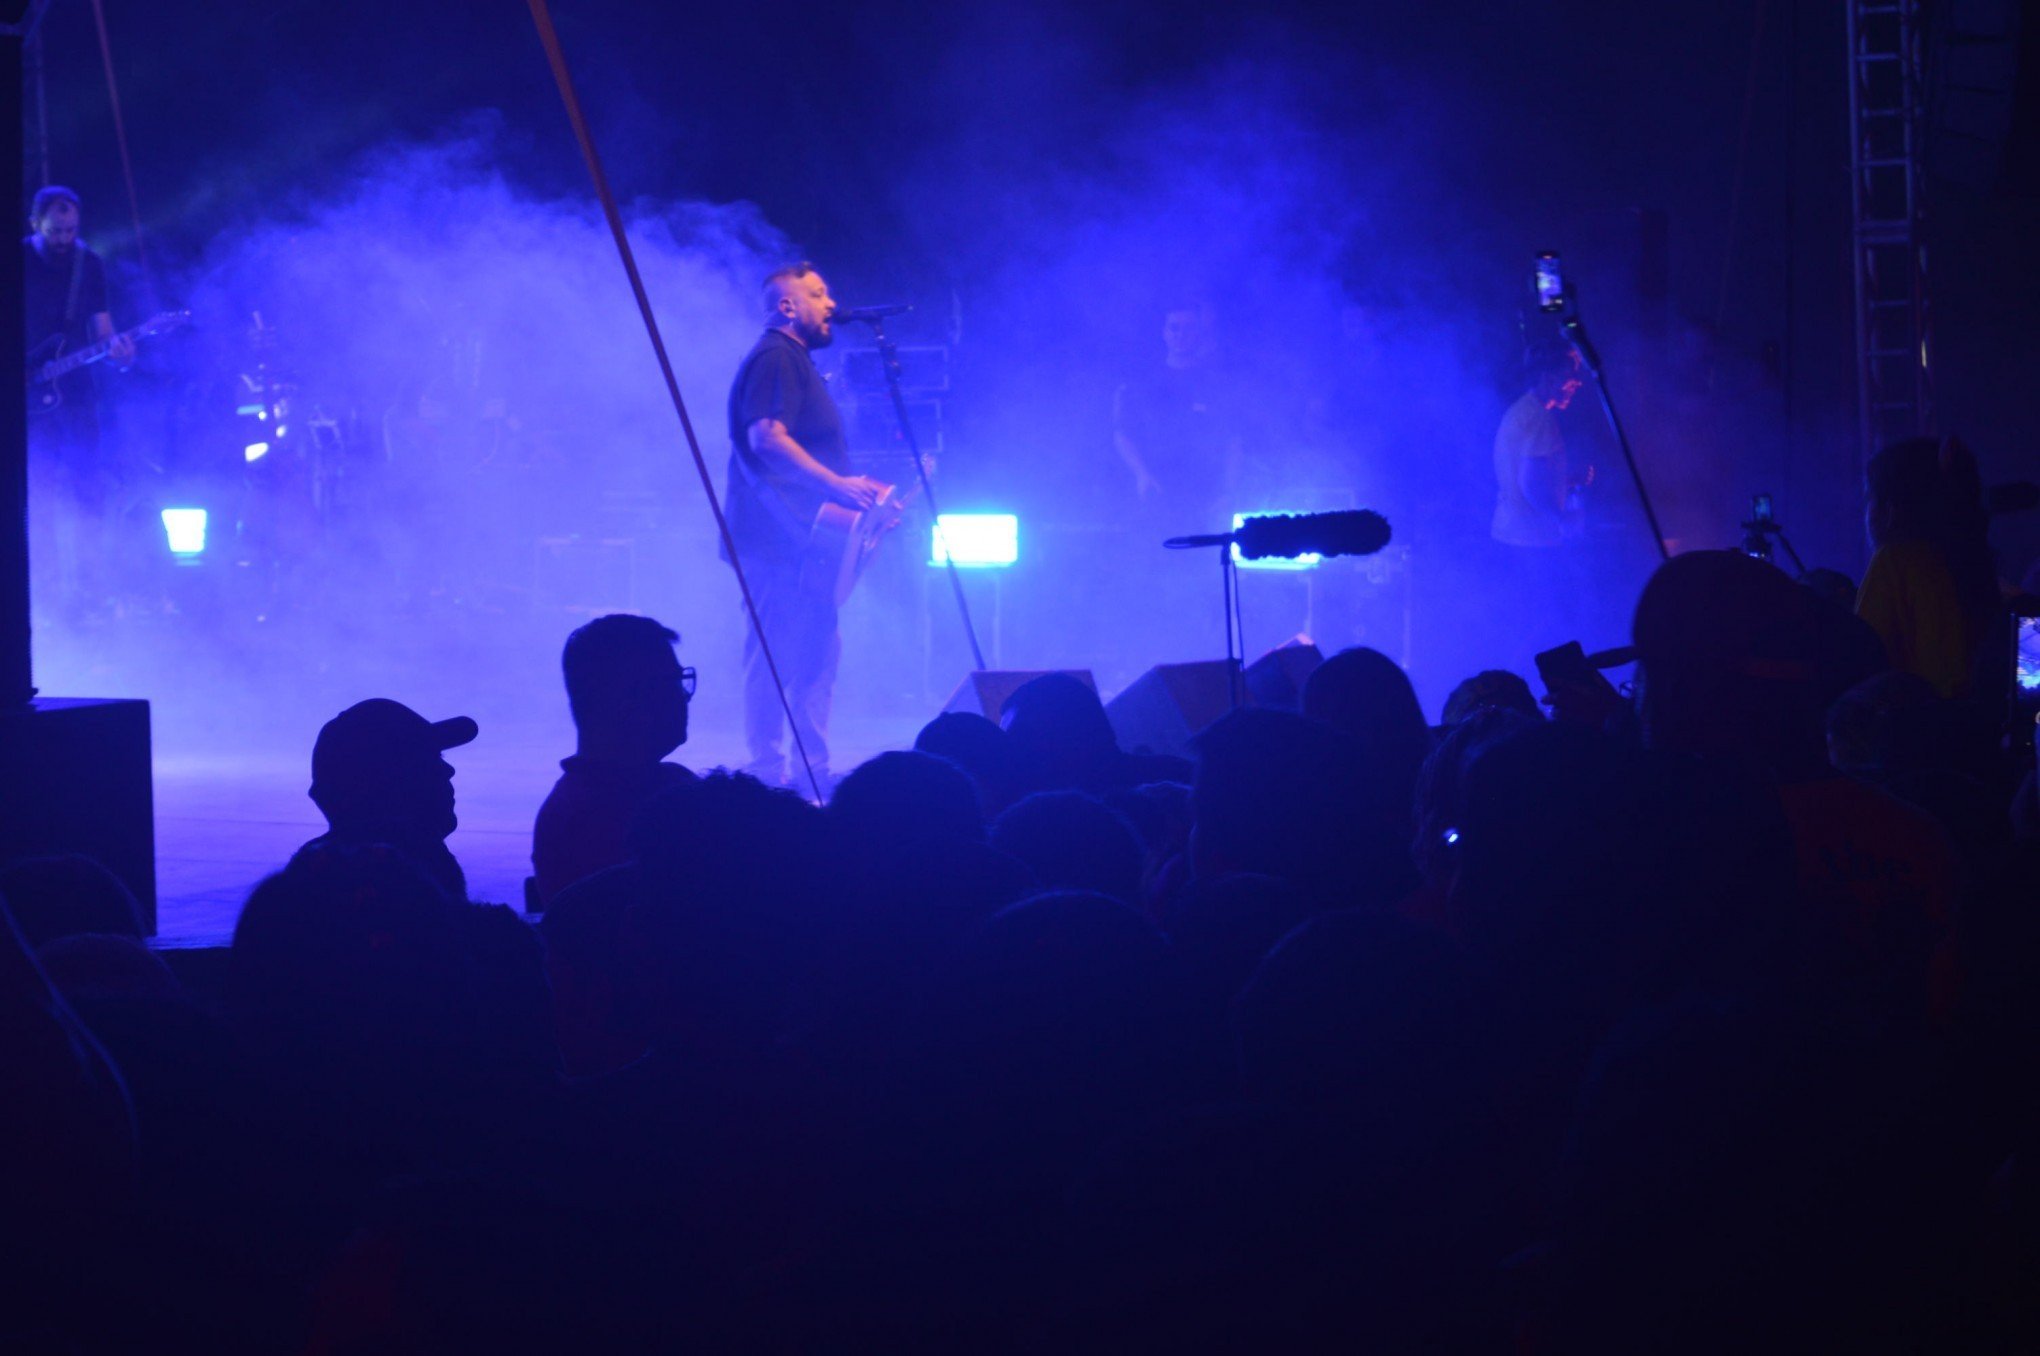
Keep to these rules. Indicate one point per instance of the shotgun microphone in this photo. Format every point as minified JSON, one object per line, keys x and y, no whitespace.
{"x":1345,"y":532}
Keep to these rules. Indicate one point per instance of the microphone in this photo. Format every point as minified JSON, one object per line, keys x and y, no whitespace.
{"x":867,"y":314}
{"x":1345,"y":532}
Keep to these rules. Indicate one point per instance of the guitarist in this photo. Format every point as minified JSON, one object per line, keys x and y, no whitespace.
{"x":788,"y":457}
{"x":64,"y":298}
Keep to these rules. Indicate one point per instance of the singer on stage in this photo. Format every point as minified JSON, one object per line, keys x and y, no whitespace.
{"x":788,"y":457}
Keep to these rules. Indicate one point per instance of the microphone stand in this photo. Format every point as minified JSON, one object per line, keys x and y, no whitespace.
{"x":889,"y":360}
{"x":1756,"y":542}
{"x":1235,"y":626}
{"x":1229,"y":586}
{"x":1577,"y":333}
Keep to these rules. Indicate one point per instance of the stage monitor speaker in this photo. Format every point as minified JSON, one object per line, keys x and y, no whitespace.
{"x":985,"y":692}
{"x":74,"y":778}
{"x":1161,"y":710}
{"x":1276,"y":679}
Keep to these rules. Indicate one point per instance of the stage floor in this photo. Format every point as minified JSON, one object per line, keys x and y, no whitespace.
{"x":225,"y":822}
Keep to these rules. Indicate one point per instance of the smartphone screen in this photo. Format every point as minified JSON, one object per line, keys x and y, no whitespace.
{"x":1550,"y":283}
{"x":2026,"y":660}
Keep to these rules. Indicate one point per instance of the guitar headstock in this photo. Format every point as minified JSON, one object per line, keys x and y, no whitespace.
{"x":162,"y":323}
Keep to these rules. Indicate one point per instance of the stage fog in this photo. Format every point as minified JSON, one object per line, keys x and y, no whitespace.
{"x":419,"y":408}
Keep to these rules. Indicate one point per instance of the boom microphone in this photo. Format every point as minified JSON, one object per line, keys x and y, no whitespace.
{"x":1345,"y":532}
{"x":847,"y":314}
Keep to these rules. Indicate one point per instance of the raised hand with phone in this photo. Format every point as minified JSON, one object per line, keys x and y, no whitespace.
{"x":1576,"y":690}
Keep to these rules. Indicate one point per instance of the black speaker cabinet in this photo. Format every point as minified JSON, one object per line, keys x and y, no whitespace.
{"x":74,"y":778}
{"x":1276,"y":679}
{"x":1162,"y":709}
{"x":985,"y":692}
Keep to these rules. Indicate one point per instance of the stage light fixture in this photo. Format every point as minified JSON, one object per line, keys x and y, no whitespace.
{"x":255,"y":451}
{"x":1303,"y":562}
{"x":975,"y":541}
{"x":185,"y":527}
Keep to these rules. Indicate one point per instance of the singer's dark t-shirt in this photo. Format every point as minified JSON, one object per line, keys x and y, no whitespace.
{"x":771,"y":508}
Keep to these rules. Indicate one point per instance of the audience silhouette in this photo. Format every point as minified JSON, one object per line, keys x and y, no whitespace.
{"x":629,"y":697}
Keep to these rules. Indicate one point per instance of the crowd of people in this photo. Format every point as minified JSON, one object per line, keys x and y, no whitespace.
{"x":1686,"y":1019}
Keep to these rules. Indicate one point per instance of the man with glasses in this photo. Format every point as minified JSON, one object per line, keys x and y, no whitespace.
{"x":628,"y":694}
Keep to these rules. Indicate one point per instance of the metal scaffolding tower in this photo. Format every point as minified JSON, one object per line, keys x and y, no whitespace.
{"x":1887,"y":113}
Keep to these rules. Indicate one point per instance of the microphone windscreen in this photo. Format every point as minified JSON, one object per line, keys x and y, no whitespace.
{"x":1346,"y":532}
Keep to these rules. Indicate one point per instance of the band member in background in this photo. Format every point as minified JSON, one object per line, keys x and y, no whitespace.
{"x":788,"y":457}
{"x":65,"y":307}
{"x":1532,"y":481}
{"x":1177,"y":426}
{"x":1538,"y":579}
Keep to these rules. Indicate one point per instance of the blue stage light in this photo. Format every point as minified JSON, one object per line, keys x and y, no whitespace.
{"x":254,"y":452}
{"x":1304,"y":562}
{"x":185,"y":527}
{"x":976,"y":541}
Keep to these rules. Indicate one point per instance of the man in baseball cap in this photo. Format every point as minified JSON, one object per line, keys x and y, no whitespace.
{"x":378,"y":775}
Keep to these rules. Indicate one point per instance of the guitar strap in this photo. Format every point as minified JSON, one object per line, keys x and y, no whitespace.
{"x":77,"y":280}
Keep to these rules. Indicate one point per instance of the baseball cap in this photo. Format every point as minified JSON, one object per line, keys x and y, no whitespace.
{"x":368,"y":741}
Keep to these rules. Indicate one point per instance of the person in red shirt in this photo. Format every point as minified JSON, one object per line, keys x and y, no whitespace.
{"x":1738,"y":666}
{"x":629,"y":696}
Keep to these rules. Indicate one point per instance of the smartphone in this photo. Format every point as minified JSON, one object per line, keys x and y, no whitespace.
{"x":2026,"y":661}
{"x":1550,"y":283}
{"x":1760,"y":509}
{"x":1567,"y":666}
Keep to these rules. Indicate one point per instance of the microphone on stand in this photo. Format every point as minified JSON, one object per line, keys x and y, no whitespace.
{"x":1346,"y":532}
{"x":867,"y":314}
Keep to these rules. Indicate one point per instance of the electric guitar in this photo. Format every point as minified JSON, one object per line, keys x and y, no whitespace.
{"x":48,"y":361}
{"x":841,"y":541}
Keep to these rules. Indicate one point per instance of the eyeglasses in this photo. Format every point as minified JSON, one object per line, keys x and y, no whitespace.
{"x":687,"y":679}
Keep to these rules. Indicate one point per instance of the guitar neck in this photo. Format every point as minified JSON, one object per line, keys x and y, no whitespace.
{"x":71,"y":362}
{"x":92,"y":353}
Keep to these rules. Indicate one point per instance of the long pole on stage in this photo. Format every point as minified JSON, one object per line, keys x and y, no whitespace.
{"x":556,"y":57}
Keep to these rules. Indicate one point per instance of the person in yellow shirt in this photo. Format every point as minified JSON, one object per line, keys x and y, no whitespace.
{"x":1931,"y":589}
